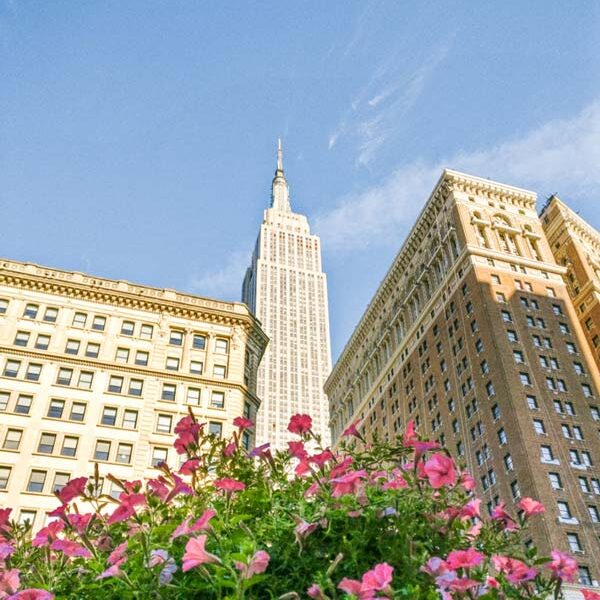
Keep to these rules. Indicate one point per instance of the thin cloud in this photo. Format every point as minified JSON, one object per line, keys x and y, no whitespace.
{"x":560,"y":156}
{"x":224,"y":283}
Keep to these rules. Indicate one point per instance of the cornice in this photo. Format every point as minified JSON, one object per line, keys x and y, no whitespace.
{"x":127,"y":295}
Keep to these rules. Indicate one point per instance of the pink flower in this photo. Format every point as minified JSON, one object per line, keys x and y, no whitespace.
{"x":589,"y":595}
{"x":9,"y":582}
{"x":112,"y":571}
{"x":262,"y":451}
{"x":69,"y":548}
{"x":196,"y":555}
{"x":467,"y":481}
{"x":4,"y":518}
{"x":563,"y":566}
{"x":48,"y":534}
{"x":351,"y":483}
{"x":297,"y":450}
{"x":73,"y":489}
{"x":5,"y":550}
{"x":230,"y":449}
{"x":229,"y":485}
{"x":471,"y":509}
{"x":515,"y":570}
{"x":499,"y":514}
{"x":352,"y":430}
{"x":258,"y":564}
{"x":300,"y":424}
{"x":314,"y":591}
{"x":201,"y":524}
{"x":440,"y":471}
{"x":118,"y":555}
{"x":188,"y":432}
{"x":462,"y":584}
{"x":126,"y":508}
{"x":243,"y":423}
{"x":79,"y":522}
{"x":340,"y":468}
{"x":158,"y":488}
{"x":464,"y":559}
{"x":303,"y":529}
{"x":378,"y":579}
{"x":322,"y":458}
{"x":32,"y":594}
{"x":410,"y":435}
{"x":531,"y":507}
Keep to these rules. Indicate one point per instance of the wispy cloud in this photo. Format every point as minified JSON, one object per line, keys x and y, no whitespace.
{"x":225,"y":282}
{"x":560,"y":156}
{"x":376,"y":112}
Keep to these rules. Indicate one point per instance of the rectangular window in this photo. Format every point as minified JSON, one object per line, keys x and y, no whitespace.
{"x":33,"y":372}
{"x":587,"y":390}
{"x":99,"y":323}
{"x":555,"y":481}
{"x":60,"y":480}
{"x":506,"y":316}
{"x":42,"y":342}
{"x":219,"y":371}
{"x":130,"y":419}
{"x":4,"y":398}
{"x":79,"y":319}
{"x":512,"y":335}
{"x":518,"y":356}
{"x":585,"y":577}
{"x":571,"y":348}
{"x":574,"y":543}
{"x":64,"y":376}
{"x":72,"y":347}
{"x":135,"y":387}
{"x":12,"y":440}
{"x":141,"y":358}
{"x":594,"y":515}
{"x":564,"y":328}
{"x":23,"y":405}
{"x":56,"y":409}
{"x":124,"y":452}
{"x":11,"y":368}
{"x":538,"y":425}
{"x":122,"y":355}
{"x":168,"y":392}
{"x":4,"y":477}
{"x":92,"y":350}
{"x":546,"y":454}
{"x":109,"y":416}
{"x":3,"y":306}
{"x":115,"y":384}
{"x":502,"y":437}
{"x":86,"y":379}
{"x":77,"y":411}
{"x":525,"y":379}
{"x":199,"y":341}
{"x":193,"y":396}
{"x":69,"y":446}
{"x":164,"y":423}
{"x":102,"y":451}
{"x":21,"y":339}
{"x":51,"y":314}
{"x":221,"y":346}
{"x":47,"y":443}
{"x":176,"y":338}
{"x":217,"y":399}
{"x":215,"y":428}
{"x":532,"y":402}
{"x":159,"y":455}
{"x":172,"y":363}
{"x":127,"y":328}
{"x":196,"y":367}
{"x":31,"y":311}
{"x":37,"y":479}
{"x":146,"y":332}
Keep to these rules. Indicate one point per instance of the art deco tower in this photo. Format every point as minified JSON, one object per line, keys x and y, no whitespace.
{"x":286,"y":289}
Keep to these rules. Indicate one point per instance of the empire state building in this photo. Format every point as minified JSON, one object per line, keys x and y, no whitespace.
{"x":286,"y":289}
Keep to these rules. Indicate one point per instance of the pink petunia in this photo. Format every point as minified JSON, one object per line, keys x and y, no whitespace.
{"x":80,"y":522}
{"x":471,"y":509}
{"x":118,"y":555}
{"x":440,"y":471}
{"x":322,"y":458}
{"x":243,"y":423}
{"x":410,"y":435}
{"x":9,"y":581}
{"x":300,"y":424}
{"x":314,"y":591}
{"x":258,"y":564}
{"x":341,"y":468}
{"x":375,"y":580}
{"x":229,"y":485}
{"x":589,"y":595}
{"x":32,"y":594}
{"x":350,"y":483}
{"x":515,"y":570}
{"x":563,"y":566}
{"x":200,"y":524}
{"x":195,"y":554}
{"x":352,"y":430}
{"x":69,"y":548}
{"x":73,"y":489}
{"x":126,"y":508}
{"x":297,"y":450}
{"x":6,"y":550}
{"x":112,"y":571}
{"x":531,"y":507}
{"x":499,"y":514}
{"x":4,"y":518}
{"x":46,"y":535}
{"x":230,"y":449}
{"x":464,"y":559}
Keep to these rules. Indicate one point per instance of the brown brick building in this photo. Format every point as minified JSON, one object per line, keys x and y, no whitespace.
{"x":473,"y":335}
{"x":576,"y":245}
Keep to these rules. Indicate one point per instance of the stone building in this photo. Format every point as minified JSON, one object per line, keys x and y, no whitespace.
{"x":286,"y":289}
{"x":99,"y":371}
{"x":473,"y":335}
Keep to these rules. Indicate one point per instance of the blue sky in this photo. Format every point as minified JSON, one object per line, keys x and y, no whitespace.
{"x":137,"y":138}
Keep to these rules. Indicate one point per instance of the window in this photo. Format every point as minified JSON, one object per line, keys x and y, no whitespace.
{"x":99,"y":323}
{"x":11,"y":368}
{"x":530,"y":321}
{"x":512,"y":335}
{"x":595,"y":413}
{"x":193,"y":396}
{"x":102,"y":451}
{"x":21,"y":339}
{"x":23,"y":404}
{"x":4,"y":477}
{"x":135,"y":387}
{"x":47,"y":443}
{"x":37,"y":479}
{"x":574,"y":543}
{"x":541,"y":323}
{"x":217,"y":399}
{"x":577,"y":432}
{"x":77,"y":411}
{"x":538,"y":425}
{"x":496,"y":279}
{"x":555,"y":481}
{"x":544,"y":362}
{"x":124,"y":452}
{"x":85,"y":380}
{"x":176,"y":338}
{"x":570,"y":409}
{"x":546,"y":454}
{"x":587,"y":390}
{"x":141,"y":358}
{"x":219,"y":371}
{"x":479,"y":346}
{"x":31,"y":311}
{"x":42,"y":342}
{"x":3,"y":306}
{"x":500,"y":297}
{"x":518,"y":355}
{"x":506,"y":316}
{"x":122,"y":355}
{"x":495,"y":412}
{"x":168,"y":391}
{"x":172,"y":363}
{"x":159,"y":455}
{"x":56,"y":409}
{"x":199,"y":341}
{"x":502,"y":436}
{"x":64,"y":376}
{"x":532,"y":402}
{"x":164,"y":423}
{"x":60,"y":480}
{"x":92,"y":350}
{"x":27,"y":516}
{"x":525,"y":379}
{"x":109,"y":416}
{"x":146,"y":332}
{"x":221,"y":346}
{"x":51,"y":314}
{"x":556,"y":309}
{"x":562,"y":387}
{"x":4,"y":398}
{"x":579,"y":368}
{"x":115,"y":384}
{"x":550,"y":384}
{"x":566,"y":431}
{"x":508,"y":462}
{"x":72,"y":347}
{"x":79,"y":319}
{"x":130,"y":419}
{"x":564,"y":328}
{"x":33,"y":372}
{"x":12,"y":440}
{"x":563,"y":510}
{"x":585,"y":577}
{"x":514,"y":490}
{"x":127,"y":328}
{"x":215,"y":428}
{"x":571,"y":347}
{"x":594,"y":515}
{"x":196,"y":367}
{"x":69,"y":447}
{"x":587,"y":458}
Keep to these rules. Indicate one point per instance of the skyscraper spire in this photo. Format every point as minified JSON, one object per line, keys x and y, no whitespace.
{"x":280,"y":191}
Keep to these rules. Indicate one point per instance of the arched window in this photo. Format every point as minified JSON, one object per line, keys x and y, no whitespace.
{"x":533,"y":245}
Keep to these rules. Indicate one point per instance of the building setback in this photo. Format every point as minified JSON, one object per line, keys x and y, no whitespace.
{"x":473,"y":335}
{"x":286,"y":289}
{"x":99,"y":371}
{"x":576,"y":245}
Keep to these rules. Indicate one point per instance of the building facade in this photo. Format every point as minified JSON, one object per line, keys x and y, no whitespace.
{"x":286,"y":289}
{"x":576,"y":246}
{"x":472,"y":334}
{"x":99,"y":371}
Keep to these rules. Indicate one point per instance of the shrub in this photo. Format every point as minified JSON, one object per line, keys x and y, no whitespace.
{"x":382,"y":520}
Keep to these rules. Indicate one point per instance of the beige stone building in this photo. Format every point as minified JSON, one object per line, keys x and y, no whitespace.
{"x":472,"y":334}
{"x":576,"y":245}
{"x":99,"y":371}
